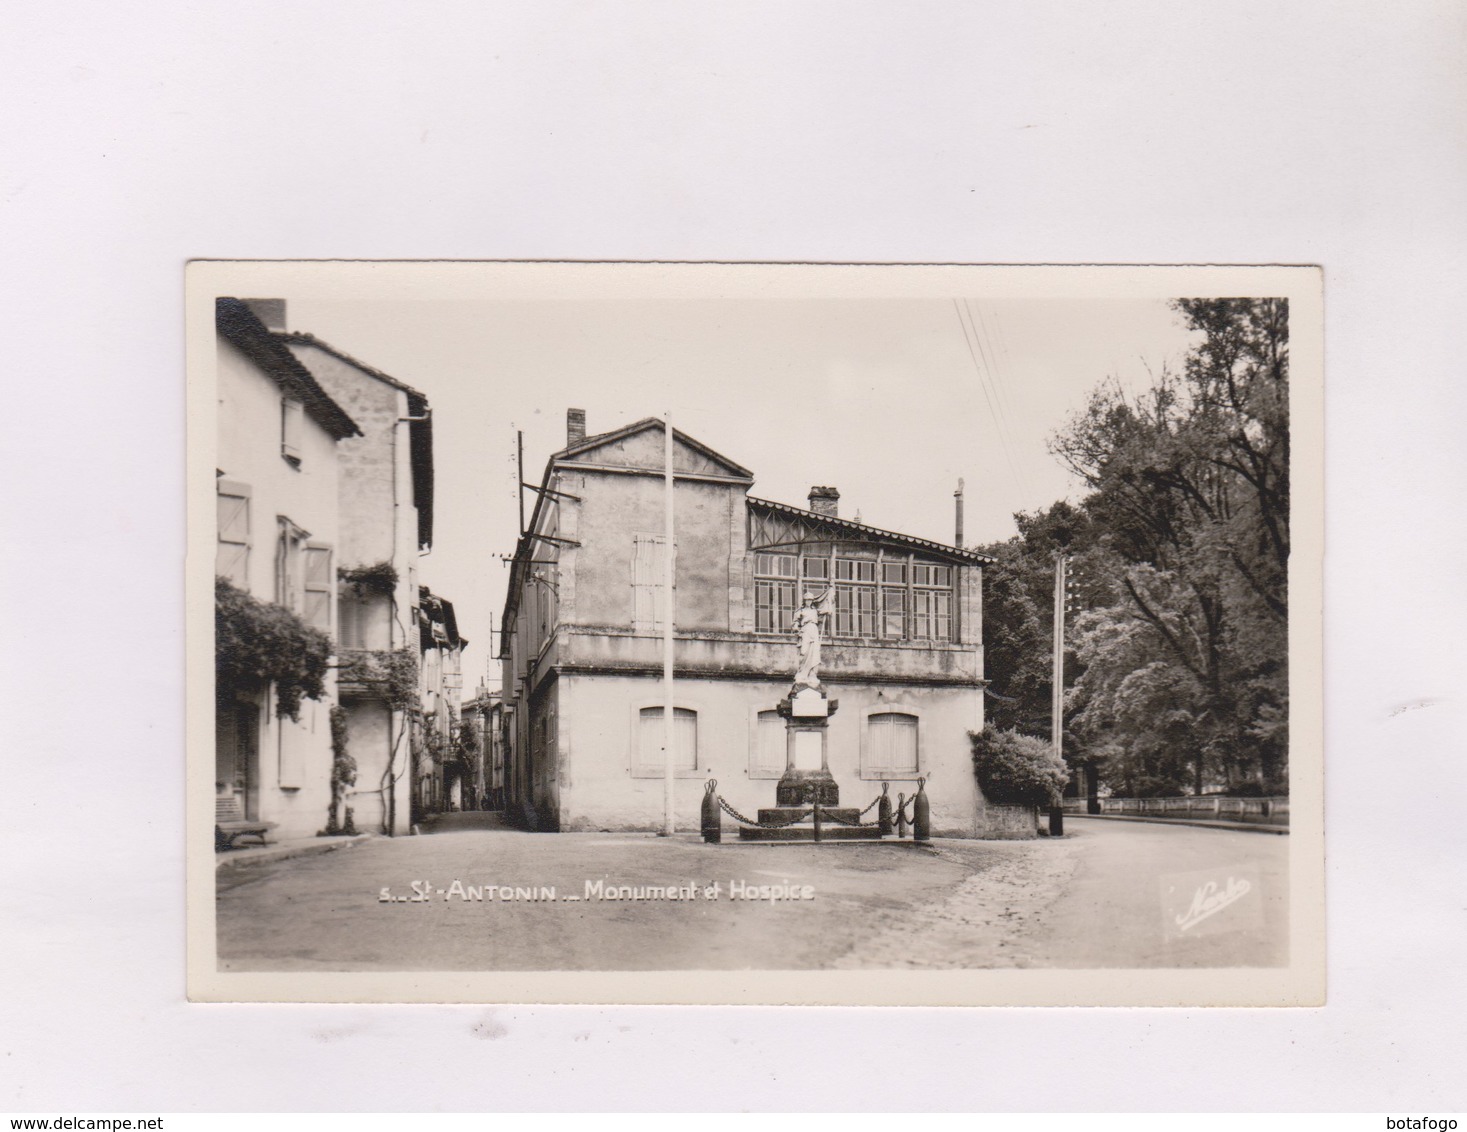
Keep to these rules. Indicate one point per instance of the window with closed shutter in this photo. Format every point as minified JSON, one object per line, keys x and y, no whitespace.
{"x":891,"y":744}
{"x":292,"y":425}
{"x":649,"y":597}
{"x":318,"y":587}
{"x":232,"y":560}
{"x":651,"y":736}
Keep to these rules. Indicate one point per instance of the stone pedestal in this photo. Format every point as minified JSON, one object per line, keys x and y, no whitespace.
{"x":807,"y":778}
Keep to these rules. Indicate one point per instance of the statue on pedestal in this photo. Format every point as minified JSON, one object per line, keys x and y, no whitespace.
{"x":807,"y":625}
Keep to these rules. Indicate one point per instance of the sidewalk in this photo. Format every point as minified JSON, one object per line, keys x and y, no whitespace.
{"x":281,"y":850}
{"x":1248,"y":826}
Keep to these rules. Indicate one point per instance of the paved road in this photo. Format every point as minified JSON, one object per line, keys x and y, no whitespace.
{"x":1133,"y":879}
{"x":1092,"y":899}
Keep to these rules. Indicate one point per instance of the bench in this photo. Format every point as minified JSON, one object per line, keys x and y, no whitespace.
{"x":230,"y":823}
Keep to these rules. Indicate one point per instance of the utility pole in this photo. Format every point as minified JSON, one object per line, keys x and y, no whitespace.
{"x":1057,"y":695}
{"x":519,"y":483}
{"x":668,"y":577}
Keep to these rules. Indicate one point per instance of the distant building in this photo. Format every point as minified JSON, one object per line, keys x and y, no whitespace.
{"x":483,"y":715}
{"x":278,"y":539}
{"x":582,"y":648}
{"x":440,"y":771}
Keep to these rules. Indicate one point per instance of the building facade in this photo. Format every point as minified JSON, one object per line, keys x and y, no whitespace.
{"x":582,"y":642}
{"x":279,"y":536}
{"x":385,"y":504}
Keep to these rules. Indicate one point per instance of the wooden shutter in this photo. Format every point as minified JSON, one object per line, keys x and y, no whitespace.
{"x":891,"y":743}
{"x":649,"y":606}
{"x":232,"y":560}
{"x":317,"y":610}
{"x":684,"y":736}
{"x":292,"y":423}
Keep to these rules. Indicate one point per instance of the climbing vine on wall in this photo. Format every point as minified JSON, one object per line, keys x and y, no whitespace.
{"x":256,"y":642}
{"x":379,"y":578}
{"x":390,"y":673}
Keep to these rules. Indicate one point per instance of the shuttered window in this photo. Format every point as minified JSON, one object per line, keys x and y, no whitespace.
{"x":891,"y":744}
{"x":289,"y":581}
{"x":649,"y":599}
{"x":650,"y":737}
{"x":232,"y":560}
{"x":292,"y":425}
{"x":318,"y":585}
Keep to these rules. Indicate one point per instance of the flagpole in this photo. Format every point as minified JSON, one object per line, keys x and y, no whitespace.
{"x":668,"y":576}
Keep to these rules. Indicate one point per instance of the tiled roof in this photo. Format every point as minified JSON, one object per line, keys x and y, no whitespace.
{"x":234,"y":321}
{"x":823,"y":525}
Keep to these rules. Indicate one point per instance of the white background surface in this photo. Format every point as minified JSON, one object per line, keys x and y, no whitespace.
{"x":137,"y":136}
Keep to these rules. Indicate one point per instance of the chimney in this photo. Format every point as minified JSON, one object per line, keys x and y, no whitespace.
{"x":575,"y":427}
{"x":958,"y":497}
{"x":269,"y":311}
{"x":824,"y":501}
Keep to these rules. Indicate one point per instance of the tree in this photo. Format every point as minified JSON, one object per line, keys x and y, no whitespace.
{"x":1184,"y":654}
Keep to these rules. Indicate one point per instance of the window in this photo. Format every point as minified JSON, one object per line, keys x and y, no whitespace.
{"x":351,"y":617}
{"x":232,"y":559}
{"x":650,"y":735}
{"x":289,"y":551}
{"x":893,"y":613}
{"x":932,"y":602}
{"x":318,"y":587}
{"x":767,"y":756}
{"x":292,"y":424}
{"x":855,"y":598}
{"x":774,"y":592}
{"x":816,"y":569}
{"x":649,"y":599}
{"x":890,"y":750}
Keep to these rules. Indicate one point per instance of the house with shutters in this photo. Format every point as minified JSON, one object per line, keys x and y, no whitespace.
{"x":582,"y":642}
{"x":277,"y":483}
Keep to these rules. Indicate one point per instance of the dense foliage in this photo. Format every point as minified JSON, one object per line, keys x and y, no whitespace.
{"x":379,"y":578}
{"x":391,"y":673}
{"x":1178,"y":678}
{"x":1015,"y":769}
{"x":256,"y":643}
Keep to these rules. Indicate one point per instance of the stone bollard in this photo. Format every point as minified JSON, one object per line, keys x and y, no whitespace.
{"x":816,"y":808}
{"x":921,"y":816}
{"x":712,"y":822}
{"x":901,"y":815}
{"x":883,"y":810}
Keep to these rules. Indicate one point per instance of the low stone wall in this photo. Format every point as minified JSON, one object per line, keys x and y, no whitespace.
{"x":1010,"y":823}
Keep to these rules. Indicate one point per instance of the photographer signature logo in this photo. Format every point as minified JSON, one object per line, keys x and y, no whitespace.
{"x":1211,"y":898}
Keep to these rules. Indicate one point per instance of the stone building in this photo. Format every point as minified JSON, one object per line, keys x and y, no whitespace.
{"x":385,"y":503}
{"x":582,"y":642}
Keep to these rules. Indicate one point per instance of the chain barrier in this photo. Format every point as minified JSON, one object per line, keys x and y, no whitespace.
{"x":890,"y":815}
{"x":738,"y":817}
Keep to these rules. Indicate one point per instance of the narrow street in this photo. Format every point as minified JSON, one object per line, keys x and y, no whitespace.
{"x":1094,"y":899}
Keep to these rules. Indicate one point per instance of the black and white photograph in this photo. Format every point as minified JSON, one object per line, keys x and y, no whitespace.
{"x":776,"y":623}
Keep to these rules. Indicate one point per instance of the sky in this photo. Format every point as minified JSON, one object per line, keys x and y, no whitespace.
{"x":889,"y":400}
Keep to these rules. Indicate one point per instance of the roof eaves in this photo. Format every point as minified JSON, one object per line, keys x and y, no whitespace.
{"x":645,"y":423}
{"x":234,"y":321}
{"x":303,"y":338}
{"x":867,"y":529}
